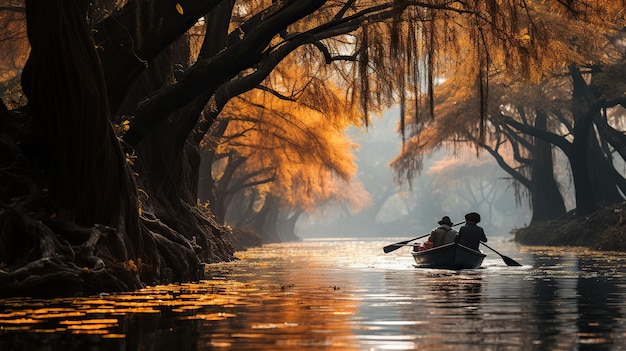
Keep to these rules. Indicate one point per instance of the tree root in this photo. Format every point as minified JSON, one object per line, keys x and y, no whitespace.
{"x":43,"y":254}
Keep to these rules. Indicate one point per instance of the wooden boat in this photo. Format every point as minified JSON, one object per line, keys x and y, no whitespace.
{"x":449,"y":256}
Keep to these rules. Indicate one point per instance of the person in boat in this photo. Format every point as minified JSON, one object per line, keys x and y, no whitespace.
{"x":444,"y":234}
{"x":471,"y":234}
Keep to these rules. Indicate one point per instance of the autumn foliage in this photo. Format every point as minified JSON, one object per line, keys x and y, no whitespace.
{"x":119,"y":116}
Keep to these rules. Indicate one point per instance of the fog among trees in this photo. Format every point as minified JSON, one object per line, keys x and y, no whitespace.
{"x":142,"y":139}
{"x":452,"y":183}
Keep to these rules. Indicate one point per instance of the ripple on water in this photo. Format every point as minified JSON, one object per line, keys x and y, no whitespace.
{"x":347,"y":295}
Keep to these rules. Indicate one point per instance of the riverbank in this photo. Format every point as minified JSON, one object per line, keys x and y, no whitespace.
{"x":603,"y":230}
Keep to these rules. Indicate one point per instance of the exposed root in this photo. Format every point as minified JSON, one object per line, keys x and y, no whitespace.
{"x":43,"y":254}
{"x":156,"y":226}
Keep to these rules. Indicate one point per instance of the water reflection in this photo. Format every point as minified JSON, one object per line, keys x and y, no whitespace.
{"x":346,"y":295}
{"x":580,"y":300}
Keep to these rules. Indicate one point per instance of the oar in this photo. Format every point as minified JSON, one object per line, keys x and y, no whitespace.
{"x":509,"y":261}
{"x":394,"y":247}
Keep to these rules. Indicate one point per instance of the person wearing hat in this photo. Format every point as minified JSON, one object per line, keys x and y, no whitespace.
{"x":471,"y":234}
{"x":444,"y":234}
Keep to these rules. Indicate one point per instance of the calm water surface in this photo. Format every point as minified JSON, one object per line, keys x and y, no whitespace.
{"x":347,"y":295}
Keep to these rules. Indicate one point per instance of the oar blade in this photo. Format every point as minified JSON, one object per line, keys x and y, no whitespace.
{"x":510,"y":262}
{"x":394,"y":247}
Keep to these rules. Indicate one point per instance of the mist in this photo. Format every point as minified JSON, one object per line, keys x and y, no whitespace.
{"x":451,"y":183}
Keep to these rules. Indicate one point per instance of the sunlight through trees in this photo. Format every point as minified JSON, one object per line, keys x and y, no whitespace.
{"x":112,"y":111}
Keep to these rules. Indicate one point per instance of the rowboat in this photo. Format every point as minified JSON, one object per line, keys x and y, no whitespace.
{"x":449,"y":256}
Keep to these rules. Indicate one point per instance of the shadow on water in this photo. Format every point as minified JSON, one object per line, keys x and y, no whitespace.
{"x":579,"y":301}
{"x":345,"y":295}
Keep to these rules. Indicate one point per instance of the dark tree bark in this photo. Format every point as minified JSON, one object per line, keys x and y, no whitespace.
{"x":167,"y":163}
{"x":132,"y":37}
{"x":576,"y":150}
{"x":614,"y":137}
{"x":207,"y":75}
{"x":79,"y":227}
{"x":583,"y":112}
{"x":265,"y":221}
{"x":604,"y":178}
{"x":543,"y":190}
{"x":78,"y":140}
{"x":223,"y":189}
{"x":546,"y":199}
{"x":287,"y":224}
{"x":94,"y":228}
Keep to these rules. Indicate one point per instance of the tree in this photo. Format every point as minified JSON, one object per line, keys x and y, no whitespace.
{"x":80,"y":158}
{"x":71,"y":208}
{"x":277,"y":149}
{"x":583,"y":150}
{"x":485,"y":127}
{"x":471,"y":185}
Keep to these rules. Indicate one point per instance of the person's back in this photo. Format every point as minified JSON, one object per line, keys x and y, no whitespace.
{"x":470,"y":234}
{"x":449,"y":237}
{"x":444,"y":234}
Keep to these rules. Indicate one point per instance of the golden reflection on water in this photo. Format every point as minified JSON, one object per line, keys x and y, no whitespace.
{"x":280,"y":303}
{"x":85,"y":315}
{"x":350,"y":296}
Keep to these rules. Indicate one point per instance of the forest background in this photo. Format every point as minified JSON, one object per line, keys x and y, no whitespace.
{"x":142,"y":139}
{"x":451,"y":184}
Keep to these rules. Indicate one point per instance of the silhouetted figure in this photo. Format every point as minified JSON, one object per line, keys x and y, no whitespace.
{"x":444,"y":234}
{"x":471,"y":234}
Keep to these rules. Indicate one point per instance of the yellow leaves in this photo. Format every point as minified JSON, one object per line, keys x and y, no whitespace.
{"x":131,"y":266}
{"x":123,"y":127}
{"x":300,"y":146}
{"x":179,"y":8}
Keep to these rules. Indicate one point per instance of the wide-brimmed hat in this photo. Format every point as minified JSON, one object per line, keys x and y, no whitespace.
{"x":445,"y":220}
{"x":472,"y":216}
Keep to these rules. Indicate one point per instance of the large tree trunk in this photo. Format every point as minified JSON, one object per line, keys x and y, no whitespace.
{"x":601,"y":173}
{"x":547,"y":201}
{"x":265,"y":221}
{"x":130,"y":38}
{"x":245,"y":215}
{"x":67,"y":96}
{"x":586,"y":202}
{"x":287,"y":225}
{"x":81,"y":215}
{"x":168,"y":163}
{"x":169,"y":157}
{"x":77,"y":227}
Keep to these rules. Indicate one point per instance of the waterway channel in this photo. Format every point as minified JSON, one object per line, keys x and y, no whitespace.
{"x":346,"y":294}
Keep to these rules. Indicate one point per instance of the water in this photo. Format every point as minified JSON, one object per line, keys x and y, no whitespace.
{"x":347,"y":295}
